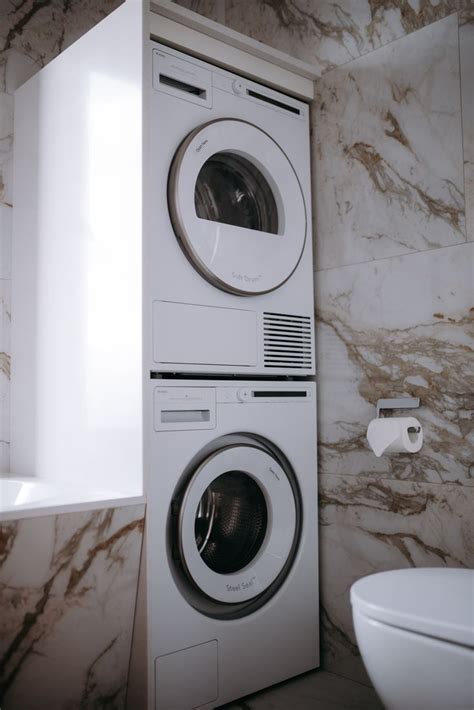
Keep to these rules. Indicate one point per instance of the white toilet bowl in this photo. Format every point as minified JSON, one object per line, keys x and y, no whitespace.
{"x":415,"y":630}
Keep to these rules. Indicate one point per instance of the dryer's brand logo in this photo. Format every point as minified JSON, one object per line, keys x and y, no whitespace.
{"x":201,"y":146}
{"x":183,"y":70}
{"x":242,"y":585}
{"x":274,"y":473}
{"x":244,"y":278}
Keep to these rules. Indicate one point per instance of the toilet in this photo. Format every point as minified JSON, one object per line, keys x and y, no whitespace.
{"x":415,"y":630}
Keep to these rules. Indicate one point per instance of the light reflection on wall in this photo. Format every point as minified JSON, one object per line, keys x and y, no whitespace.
{"x":113,"y":281}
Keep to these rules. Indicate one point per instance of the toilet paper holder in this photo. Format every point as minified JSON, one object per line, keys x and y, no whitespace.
{"x":397,"y":403}
{"x":396,"y":434}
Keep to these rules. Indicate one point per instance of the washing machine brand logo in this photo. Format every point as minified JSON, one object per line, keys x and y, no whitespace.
{"x":201,"y":146}
{"x":246,"y":279}
{"x":242,"y":585}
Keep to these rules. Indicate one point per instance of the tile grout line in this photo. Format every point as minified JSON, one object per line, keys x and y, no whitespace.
{"x":394,"y":256}
{"x":382,"y":46}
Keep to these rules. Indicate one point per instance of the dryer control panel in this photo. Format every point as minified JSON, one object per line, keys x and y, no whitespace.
{"x":193,"y":80}
{"x":263,"y":393}
{"x":181,"y":408}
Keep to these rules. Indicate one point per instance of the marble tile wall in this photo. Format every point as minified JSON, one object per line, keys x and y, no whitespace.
{"x":389,"y":135}
{"x":322,"y":32}
{"x":392,"y":327}
{"x":68,"y":576}
{"x":392,"y":143}
{"x":212,"y":9}
{"x":466,"y":42}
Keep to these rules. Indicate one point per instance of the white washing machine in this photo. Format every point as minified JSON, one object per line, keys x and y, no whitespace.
{"x":232,"y":540}
{"x":229,"y":251}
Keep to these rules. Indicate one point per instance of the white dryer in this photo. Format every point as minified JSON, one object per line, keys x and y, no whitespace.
{"x":229,"y":249}
{"x":231,"y":538}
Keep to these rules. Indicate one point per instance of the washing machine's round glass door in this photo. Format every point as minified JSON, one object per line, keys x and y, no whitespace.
{"x":237,"y":523}
{"x":237,"y":207}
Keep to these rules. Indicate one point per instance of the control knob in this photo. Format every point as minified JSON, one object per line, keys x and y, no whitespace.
{"x":238,"y":87}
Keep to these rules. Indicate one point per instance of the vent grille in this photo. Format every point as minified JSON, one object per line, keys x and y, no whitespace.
{"x":288,"y":341}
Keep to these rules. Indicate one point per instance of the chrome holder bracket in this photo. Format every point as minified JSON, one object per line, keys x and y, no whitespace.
{"x":397,"y":403}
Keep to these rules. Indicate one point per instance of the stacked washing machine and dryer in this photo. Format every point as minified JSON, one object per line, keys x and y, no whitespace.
{"x":232,"y":543}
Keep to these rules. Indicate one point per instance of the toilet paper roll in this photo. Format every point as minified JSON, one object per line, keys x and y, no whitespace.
{"x":395,"y":435}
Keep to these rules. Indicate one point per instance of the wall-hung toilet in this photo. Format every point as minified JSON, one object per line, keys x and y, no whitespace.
{"x":415,"y":630}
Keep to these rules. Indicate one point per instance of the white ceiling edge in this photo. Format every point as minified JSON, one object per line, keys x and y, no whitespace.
{"x":232,"y":50}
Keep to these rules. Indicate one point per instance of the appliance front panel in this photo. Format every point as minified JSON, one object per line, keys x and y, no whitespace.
{"x":281,"y":638}
{"x":172,"y":275}
{"x":211,"y":339}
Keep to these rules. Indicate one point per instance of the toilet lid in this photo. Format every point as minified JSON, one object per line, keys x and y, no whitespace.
{"x":436,"y":602}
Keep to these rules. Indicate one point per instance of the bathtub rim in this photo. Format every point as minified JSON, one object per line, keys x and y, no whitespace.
{"x":67,"y":500}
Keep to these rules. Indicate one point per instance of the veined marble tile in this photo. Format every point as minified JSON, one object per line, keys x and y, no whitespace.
{"x":369,"y":525}
{"x":388,"y":158}
{"x":395,"y":327}
{"x":327,"y":34}
{"x":6,"y":148}
{"x":466,"y":42}
{"x":32,"y":33}
{"x":67,"y":595}
{"x":212,"y":9}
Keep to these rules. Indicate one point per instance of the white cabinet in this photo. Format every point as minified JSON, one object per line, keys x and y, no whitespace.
{"x":77,"y":263}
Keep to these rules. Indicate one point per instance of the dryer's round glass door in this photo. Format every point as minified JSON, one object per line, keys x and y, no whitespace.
{"x":237,"y":207}
{"x":237,"y":523}
{"x":232,"y":190}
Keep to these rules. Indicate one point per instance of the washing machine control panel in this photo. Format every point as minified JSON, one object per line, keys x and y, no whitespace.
{"x":192,"y":408}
